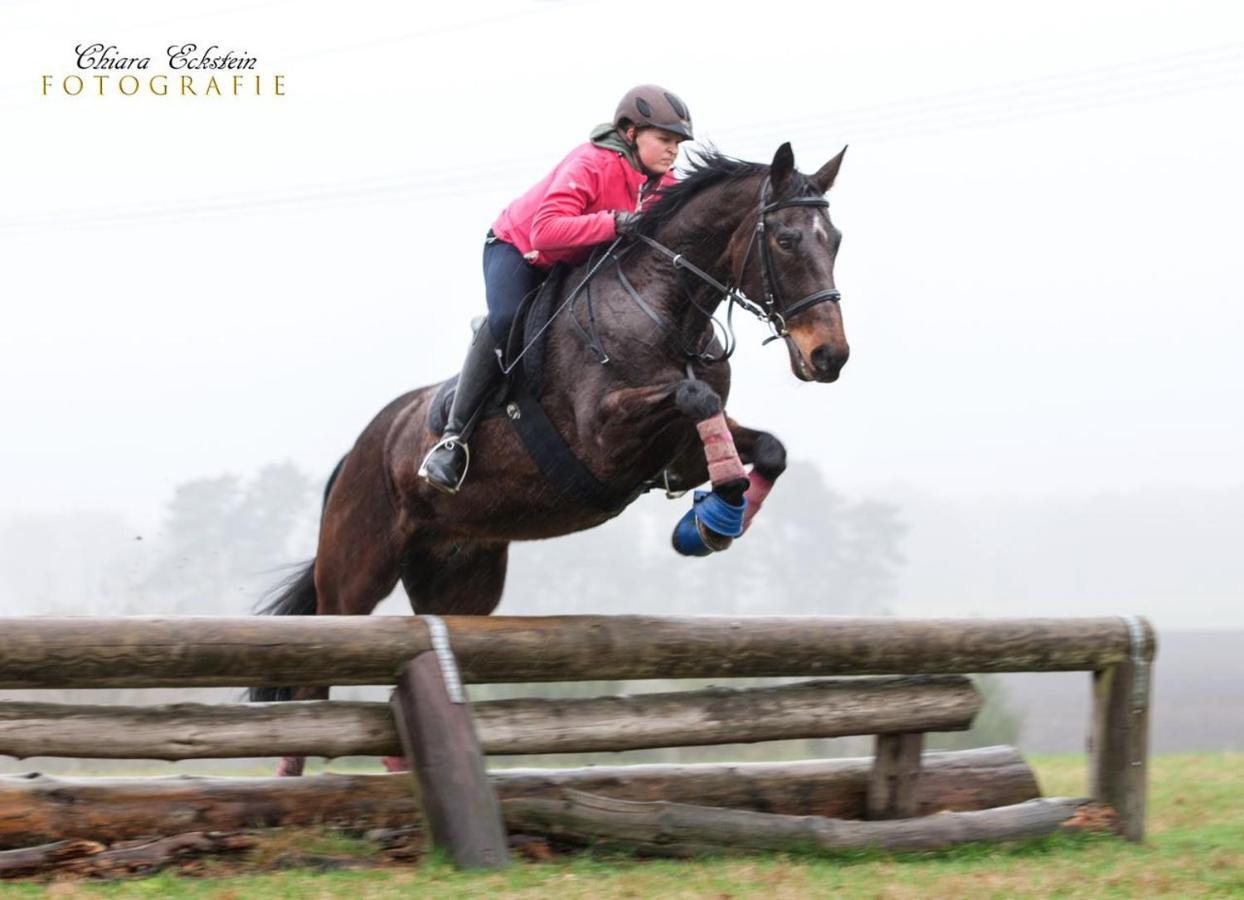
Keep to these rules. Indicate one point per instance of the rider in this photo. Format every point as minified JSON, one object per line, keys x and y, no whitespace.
{"x":590,"y":197}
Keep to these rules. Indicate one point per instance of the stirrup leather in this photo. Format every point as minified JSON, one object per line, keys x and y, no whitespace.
{"x":448,"y":442}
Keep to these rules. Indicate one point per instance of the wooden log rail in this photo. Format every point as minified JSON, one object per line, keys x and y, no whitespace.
{"x":344,"y":650}
{"x":39,"y":808}
{"x":663,"y":828}
{"x":718,"y":715}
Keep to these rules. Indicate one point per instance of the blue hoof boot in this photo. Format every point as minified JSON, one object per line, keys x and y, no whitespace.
{"x":709,"y":526}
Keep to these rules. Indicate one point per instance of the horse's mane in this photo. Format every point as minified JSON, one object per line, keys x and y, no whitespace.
{"x":708,"y":168}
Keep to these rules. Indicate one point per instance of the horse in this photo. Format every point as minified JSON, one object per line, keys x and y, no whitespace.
{"x":637,"y":395}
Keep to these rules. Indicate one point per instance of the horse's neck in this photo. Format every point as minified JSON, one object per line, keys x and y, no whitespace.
{"x":702,"y":233}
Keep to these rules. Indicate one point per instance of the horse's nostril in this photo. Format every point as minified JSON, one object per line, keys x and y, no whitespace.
{"x":823,"y":359}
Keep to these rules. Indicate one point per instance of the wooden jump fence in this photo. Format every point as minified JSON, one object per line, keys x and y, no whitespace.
{"x":908,"y":678}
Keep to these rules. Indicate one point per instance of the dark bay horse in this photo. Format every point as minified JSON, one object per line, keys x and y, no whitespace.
{"x":728,"y":231}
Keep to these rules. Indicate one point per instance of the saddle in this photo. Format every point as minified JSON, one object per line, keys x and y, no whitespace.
{"x":518,"y":398}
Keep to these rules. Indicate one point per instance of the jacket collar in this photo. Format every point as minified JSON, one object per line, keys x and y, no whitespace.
{"x":606,"y":136}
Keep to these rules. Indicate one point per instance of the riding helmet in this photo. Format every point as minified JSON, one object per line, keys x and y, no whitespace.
{"x":651,"y":105}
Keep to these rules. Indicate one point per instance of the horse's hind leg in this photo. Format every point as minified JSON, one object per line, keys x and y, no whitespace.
{"x":357,"y":563}
{"x":454,"y":578}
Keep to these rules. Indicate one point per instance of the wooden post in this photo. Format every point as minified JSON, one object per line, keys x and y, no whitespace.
{"x":1119,"y":734}
{"x":895,"y":776}
{"x":438,"y":735}
{"x":1119,"y":743}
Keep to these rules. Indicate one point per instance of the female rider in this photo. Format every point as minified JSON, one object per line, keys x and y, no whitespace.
{"x":590,"y":197}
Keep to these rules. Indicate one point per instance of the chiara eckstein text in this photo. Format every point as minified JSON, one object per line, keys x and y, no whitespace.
{"x":186,"y":71}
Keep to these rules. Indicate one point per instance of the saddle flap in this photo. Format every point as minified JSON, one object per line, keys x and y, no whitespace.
{"x":532,"y":315}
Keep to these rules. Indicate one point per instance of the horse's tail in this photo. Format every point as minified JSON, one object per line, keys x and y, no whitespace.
{"x":294,"y":596}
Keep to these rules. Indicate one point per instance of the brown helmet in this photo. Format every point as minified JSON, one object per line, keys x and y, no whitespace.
{"x":650,"y":105}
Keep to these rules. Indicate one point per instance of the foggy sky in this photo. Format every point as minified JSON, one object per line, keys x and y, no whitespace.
{"x":1041,"y":267}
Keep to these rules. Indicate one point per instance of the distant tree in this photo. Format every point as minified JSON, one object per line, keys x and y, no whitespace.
{"x":809,"y":551}
{"x":274,"y":503}
{"x":221,"y":537}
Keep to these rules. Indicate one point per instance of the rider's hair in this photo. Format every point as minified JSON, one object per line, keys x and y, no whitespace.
{"x":709,"y":167}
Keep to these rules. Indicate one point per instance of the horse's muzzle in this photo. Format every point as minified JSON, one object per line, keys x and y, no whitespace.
{"x":823,"y":364}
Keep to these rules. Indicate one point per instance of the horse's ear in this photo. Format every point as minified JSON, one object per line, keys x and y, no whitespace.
{"x":823,"y":180}
{"x":782,"y":167}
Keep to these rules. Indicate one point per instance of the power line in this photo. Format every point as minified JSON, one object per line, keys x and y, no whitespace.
{"x":1204,"y":69}
{"x":1195,"y":68}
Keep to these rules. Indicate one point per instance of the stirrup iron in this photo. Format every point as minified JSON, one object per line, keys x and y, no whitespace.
{"x":448,"y":442}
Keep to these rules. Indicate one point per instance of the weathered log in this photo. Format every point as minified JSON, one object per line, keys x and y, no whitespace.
{"x":92,"y":858}
{"x":717,"y":715}
{"x":836,"y":788}
{"x":150,"y":856}
{"x":197,"y":730}
{"x":680,"y":829}
{"x":39,"y":807}
{"x":33,"y":860}
{"x":724,"y":715}
{"x":342,"y":650}
{"x":42,"y":808}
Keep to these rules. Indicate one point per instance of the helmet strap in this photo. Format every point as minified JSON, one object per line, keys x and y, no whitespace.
{"x":634,"y":145}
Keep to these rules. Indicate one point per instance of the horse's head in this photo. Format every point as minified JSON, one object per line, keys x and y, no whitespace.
{"x":784,"y":255}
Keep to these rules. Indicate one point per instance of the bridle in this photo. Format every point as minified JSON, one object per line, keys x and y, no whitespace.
{"x":774,"y":311}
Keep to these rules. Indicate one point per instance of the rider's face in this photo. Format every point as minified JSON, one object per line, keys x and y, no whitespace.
{"x":657,"y":148}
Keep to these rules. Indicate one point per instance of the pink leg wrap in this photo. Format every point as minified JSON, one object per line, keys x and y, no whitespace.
{"x":723,"y":460}
{"x":395,"y":763}
{"x":755,"y":496}
{"x":290,"y":765}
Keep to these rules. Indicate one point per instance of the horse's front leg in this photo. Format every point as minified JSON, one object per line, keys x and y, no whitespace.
{"x":767,"y":457}
{"x":758,"y":449}
{"x":717,"y":517}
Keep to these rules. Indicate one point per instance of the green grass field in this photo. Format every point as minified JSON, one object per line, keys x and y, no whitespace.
{"x":1195,"y":849}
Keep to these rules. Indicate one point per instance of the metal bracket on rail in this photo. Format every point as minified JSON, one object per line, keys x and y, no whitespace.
{"x":1140,"y":665}
{"x":445,"y":656}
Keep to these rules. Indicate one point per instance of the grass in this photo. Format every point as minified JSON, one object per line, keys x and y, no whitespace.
{"x":1195,"y":848}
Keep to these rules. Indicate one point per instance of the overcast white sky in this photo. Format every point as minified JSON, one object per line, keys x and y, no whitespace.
{"x":1042,"y":211}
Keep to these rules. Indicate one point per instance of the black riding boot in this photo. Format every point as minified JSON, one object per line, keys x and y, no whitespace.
{"x":445,"y":466}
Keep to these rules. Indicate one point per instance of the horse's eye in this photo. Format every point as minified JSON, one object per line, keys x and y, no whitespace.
{"x":786,"y":242}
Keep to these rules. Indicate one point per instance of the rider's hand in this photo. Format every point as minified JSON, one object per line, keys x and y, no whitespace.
{"x":625,"y":224}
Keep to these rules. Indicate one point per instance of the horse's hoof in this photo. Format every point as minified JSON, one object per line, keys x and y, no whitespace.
{"x":710,"y":526}
{"x":687,"y":539}
{"x":290,"y":766}
{"x":395,"y":763}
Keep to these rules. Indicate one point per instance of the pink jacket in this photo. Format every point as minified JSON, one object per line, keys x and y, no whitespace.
{"x":571,"y":209}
